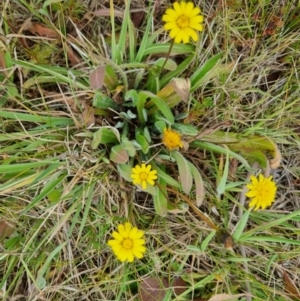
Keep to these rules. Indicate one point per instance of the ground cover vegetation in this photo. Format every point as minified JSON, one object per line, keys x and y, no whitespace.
{"x":149,"y":150}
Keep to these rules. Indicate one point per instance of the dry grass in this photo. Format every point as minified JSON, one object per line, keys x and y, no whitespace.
{"x":64,"y":198}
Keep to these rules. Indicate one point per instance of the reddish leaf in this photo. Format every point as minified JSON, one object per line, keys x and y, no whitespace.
{"x":118,"y":154}
{"x":290,"y":286}
{"x":41,"y":30}
{"x":153,"y":289}
{"x":6,"y":228}
{"x":97,"y":77}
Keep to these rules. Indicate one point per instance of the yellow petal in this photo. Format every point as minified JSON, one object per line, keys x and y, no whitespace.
{"x":168,"y":18}
{"x":192,"y":33}
{"x":196,"y":11}
{"x":138,"y":242}
{"x":196,"y":26}
{"x":144,"y":184}
{"x":172,"y":13}
{"x":183,"y":6}
{"x":189,"y":8}
{"x":179,"y":37}
{"x":117,"y":236}
{"x":122,"y":231}
{"x":137,"y":254}
{"x":113,"y":242}
{"x":253,"y":180}
{"x":186,"y":37}
{"x":177,"y":8}
{"x":174,"y":32}
{"x":196,"y":19}
{"x":130,"y":256}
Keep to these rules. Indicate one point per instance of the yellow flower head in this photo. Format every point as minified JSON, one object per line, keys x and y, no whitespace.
{"x":183,"y":21}
{"x":262,"y":190}
{"x":171,"y":139}
{"x":128,"y":243}
{"x":143,"y":175}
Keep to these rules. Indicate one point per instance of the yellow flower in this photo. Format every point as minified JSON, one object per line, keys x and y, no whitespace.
{"x":143,"y":175}
{"x":183,"y":21}
{"x":171,"y":139}
{"x":128,"y":243}
{"x":262,"y":191}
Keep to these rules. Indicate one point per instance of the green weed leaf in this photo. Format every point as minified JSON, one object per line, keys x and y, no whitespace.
{"x":105,"y":135}
{"x":185,"y":173}
{"x":203,"y":70}
{"x":160,"y":199}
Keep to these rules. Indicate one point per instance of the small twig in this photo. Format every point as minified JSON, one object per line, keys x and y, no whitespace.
{"x":195,"y":209}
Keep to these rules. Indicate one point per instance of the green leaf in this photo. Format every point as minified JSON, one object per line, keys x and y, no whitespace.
{"x":110,"y":78}
{"x":142,"y":141}
{"x":42,"y":271}
{"x":125,"y":171}
{"x":22,"y":167}
{"x":178,"y":207}
{"x":200,"y":190}
{"x":138,"y":101}
{"x":219,"y":149}
{"x":118,"y":154}
{"x":165,"y":177}
{"x":241,"y":225}
{"x":185,"y":173}
{"x":160,"y":199}
{"x":180,"y":68}
{"x":255,"y":148}
{"x":160,"y":125}
{"x":144,"y":42}
{"x":54,"y":195}
{"x":207,"y":240}
{"x":128,"y":146}
{"x":160,"y":105}
{"x":105,"y":135}
{"x":186,"y":129}
{"x":164,"y":48}
{"x":102,"y":101}
{"x":169,"y":65}
{"x":203,"y":70}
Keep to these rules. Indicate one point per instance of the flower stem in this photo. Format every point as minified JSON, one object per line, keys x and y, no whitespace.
{"x":168,"y":55}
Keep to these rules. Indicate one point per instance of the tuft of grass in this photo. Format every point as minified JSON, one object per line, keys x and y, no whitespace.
{"x":64,"y":198}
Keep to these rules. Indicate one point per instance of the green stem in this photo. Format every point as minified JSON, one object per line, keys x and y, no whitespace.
{"x":168,"y":55}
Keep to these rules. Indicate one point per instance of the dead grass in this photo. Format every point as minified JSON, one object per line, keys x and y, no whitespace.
{"x":58,"y":250}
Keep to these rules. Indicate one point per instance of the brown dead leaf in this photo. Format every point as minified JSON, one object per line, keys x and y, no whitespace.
{"x":105,"y":12}
{"x":97,"y":77}
{"x":223,"y":237}
{"x":73,"y":57}
{"x":225,"y":297}
{"x":290,"y":286}
{"x":275,"y":162}
{"x":2,"y":64}
{"x":7,"y":228}
{"x":137,"y":18}
{"x":179,"y":286}
{"x":182,"y":87}
{"x":88,"y":115}
{"x":41,"y":30}
{"x":153,"y":289}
